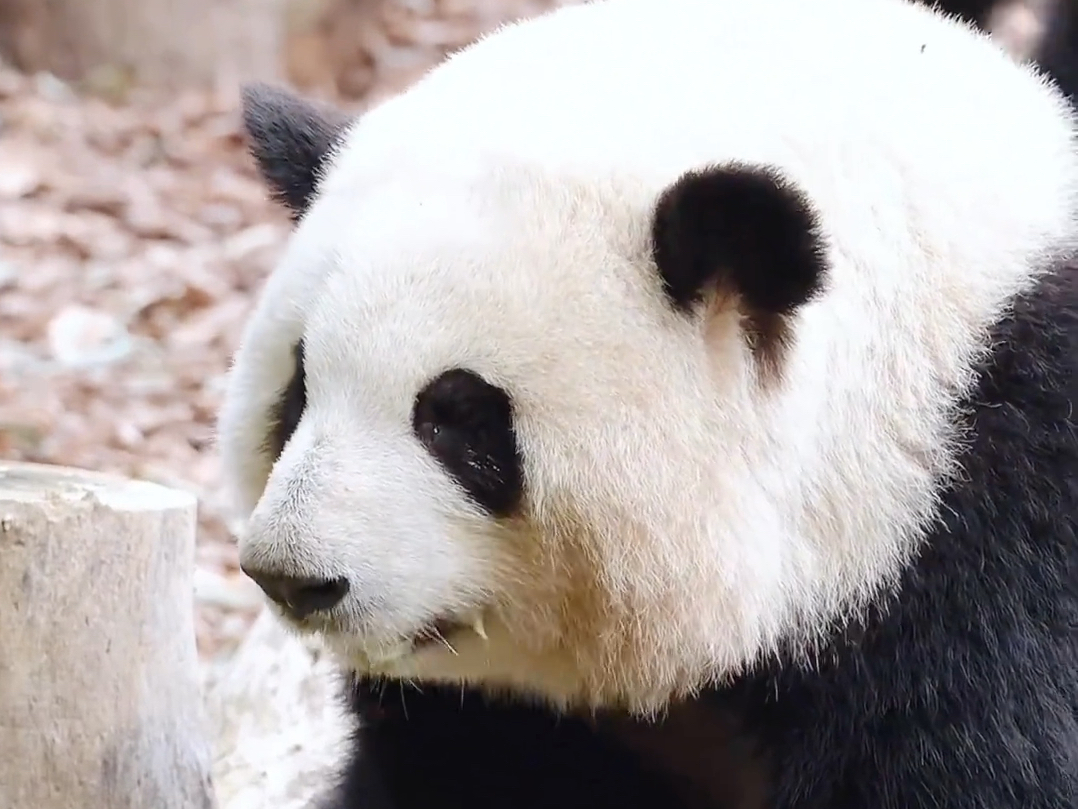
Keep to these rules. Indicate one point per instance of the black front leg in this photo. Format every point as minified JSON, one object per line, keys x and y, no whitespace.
{"x":441,"y":748}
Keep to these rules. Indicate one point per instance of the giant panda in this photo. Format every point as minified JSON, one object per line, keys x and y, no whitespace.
{"x":670,"y":404}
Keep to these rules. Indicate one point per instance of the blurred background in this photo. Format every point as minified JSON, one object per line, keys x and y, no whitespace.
{"x":134,"y":233}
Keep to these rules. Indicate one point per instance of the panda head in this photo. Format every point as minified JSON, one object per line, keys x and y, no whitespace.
{"x":595,"y":378}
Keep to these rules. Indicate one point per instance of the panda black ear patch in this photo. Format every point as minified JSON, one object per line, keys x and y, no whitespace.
{"x":744,"y":230}
{"x":289,"y":138}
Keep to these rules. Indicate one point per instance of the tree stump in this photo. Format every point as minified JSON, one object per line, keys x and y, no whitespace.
{"x":99,"y":686}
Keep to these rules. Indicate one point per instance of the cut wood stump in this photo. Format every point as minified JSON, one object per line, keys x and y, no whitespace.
{"x":100,"y":703}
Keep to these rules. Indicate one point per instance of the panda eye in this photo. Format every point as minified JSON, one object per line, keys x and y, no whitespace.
{"x":428,"y":431}
{"x":466,"y":424}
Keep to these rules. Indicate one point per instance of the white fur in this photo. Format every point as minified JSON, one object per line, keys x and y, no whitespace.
{"x":682,"y":519}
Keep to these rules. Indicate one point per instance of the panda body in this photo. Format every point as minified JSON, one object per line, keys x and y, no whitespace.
{"x":685,"y":420}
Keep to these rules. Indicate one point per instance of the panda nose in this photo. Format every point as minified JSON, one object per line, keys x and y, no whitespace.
{"x":300,"y":596}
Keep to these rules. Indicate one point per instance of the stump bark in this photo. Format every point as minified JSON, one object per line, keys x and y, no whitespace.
{"x":100,"y":703}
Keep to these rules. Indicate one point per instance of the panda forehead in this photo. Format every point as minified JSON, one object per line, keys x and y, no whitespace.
{"x":412,"y":318}
{"x":749,"y":84}
{"x":530,"y":209}
{"x":542,"y":317}
{"x":839,"y":114}
{"x":510,"y":248}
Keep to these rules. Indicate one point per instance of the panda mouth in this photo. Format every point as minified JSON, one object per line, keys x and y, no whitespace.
{"x":436,"y":632}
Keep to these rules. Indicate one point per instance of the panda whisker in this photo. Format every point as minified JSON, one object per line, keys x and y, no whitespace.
{"x":441,"y":639}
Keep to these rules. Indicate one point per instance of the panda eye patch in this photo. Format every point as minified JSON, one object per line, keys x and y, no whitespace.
{"x":467,"y":426}
{"x":289,"y":407}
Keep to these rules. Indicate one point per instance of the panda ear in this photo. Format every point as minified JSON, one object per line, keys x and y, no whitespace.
{"x":744,"y":230}
{"x":289,"y":139}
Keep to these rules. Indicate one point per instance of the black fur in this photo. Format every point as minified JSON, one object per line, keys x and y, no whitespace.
{"x":1056,"y":53}
{"x":289,"y":138}
{"x":963,"y":692}
{"x":288,"y":410}
{"x":442,"y":748}
{"x":959,"y":693}
{"x":974,"y":11}
{"x":467,"y":425}
{"x":742,"y":229}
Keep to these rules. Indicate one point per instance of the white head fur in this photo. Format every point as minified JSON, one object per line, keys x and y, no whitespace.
{"x":681,"y":516}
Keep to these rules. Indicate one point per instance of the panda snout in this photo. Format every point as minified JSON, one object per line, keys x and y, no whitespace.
{"x":299,"y":596}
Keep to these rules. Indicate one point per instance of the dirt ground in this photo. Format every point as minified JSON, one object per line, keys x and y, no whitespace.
{"x":134,"y":237}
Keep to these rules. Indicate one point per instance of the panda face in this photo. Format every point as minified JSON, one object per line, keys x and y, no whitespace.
{"x":444,"y":475}
{"x":596,"y":391}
